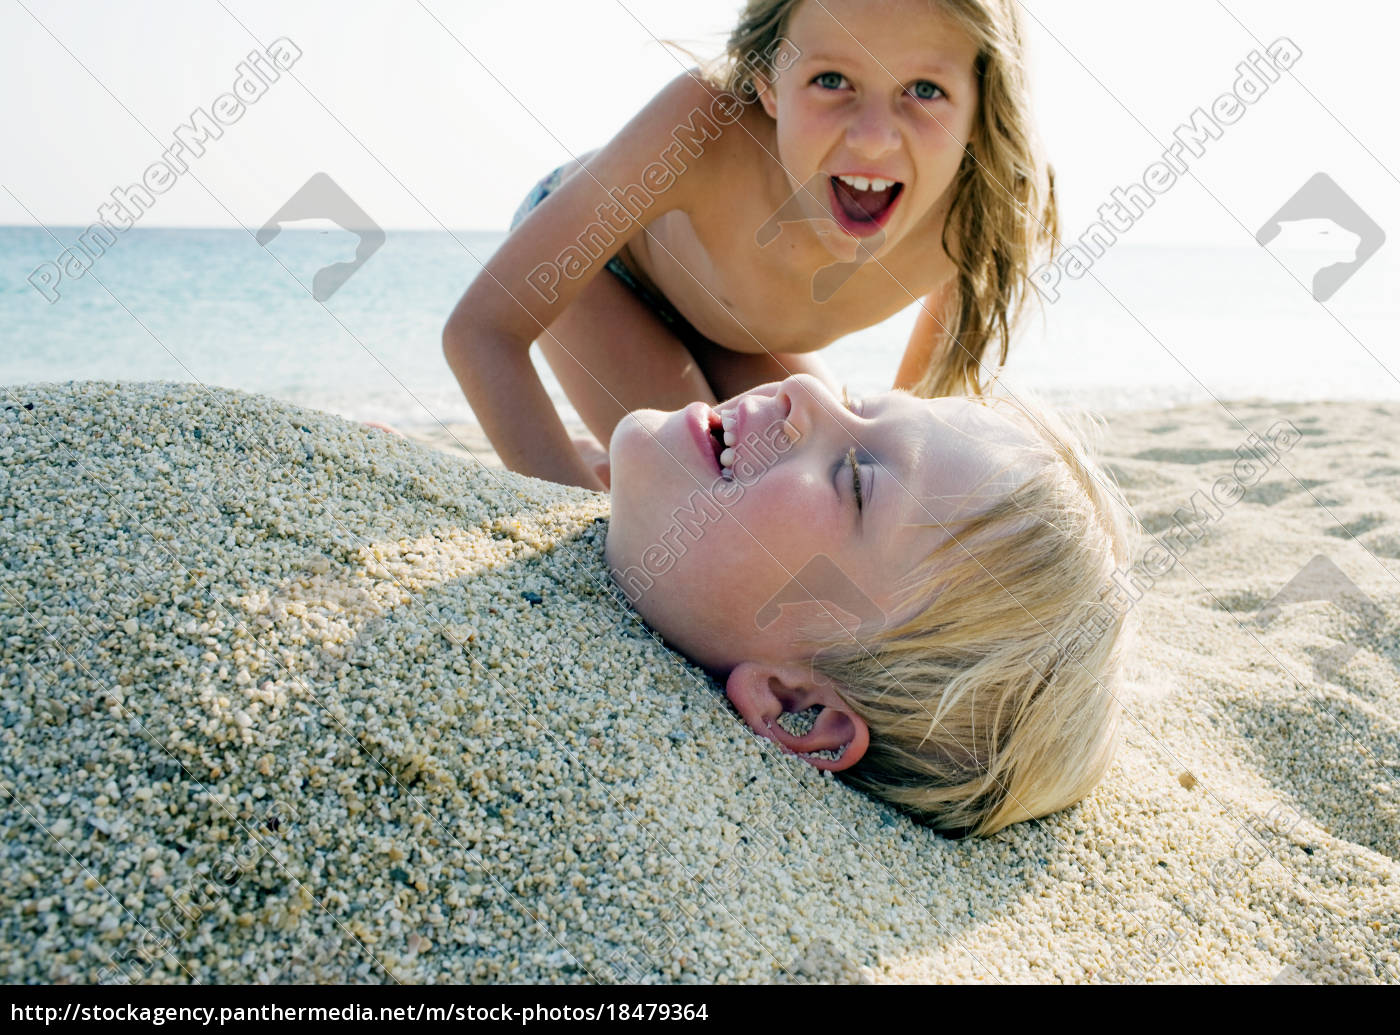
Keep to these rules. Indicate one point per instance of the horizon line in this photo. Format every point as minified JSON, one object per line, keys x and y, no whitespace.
{"x":492,"y":230}
{"x":190,"y":226}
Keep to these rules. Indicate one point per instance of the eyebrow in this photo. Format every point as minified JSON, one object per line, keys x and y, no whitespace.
{"x":901,"y":472}
{"x":878,"y":403}
{"x":941,"y":65}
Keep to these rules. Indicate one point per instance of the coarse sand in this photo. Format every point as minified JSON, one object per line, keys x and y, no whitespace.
{"x":290,"y":699}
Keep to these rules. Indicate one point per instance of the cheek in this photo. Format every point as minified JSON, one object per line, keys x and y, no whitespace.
{"x":792,"y":514}
{"x":779,"y":546}
{"x":942,"y":157}
{"x":805,"y":121}
{"x":943,"y":141}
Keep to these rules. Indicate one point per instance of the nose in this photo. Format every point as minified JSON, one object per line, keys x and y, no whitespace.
{"x":807,"y":403}
{"x":871,"y":132}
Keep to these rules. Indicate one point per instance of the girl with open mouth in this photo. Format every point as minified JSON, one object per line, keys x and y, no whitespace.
{"x":844,"y":160}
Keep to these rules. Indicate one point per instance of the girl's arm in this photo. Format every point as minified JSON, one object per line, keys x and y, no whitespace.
{"x":541,"y":268}
{"x":928,"y":341}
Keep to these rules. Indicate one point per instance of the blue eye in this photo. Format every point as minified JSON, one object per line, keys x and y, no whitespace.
{"x":927,"y":91}
{"x":829,"y":76}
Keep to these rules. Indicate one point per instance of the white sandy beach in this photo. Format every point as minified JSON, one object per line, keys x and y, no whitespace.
{"x":291,"y":699}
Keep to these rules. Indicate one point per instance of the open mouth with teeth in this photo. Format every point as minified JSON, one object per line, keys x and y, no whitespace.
{"x":861,"y":205}
{"x":717,"y":440}
{"x":723,"y":439}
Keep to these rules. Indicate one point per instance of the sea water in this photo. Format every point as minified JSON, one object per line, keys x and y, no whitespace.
{"x":1144,"y":327}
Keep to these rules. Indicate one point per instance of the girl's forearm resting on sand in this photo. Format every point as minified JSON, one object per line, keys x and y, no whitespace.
{"x":514,"y":409}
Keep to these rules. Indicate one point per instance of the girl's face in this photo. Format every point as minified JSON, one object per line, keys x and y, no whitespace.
{"x":881,"y":90}
{"x":726,"y":570}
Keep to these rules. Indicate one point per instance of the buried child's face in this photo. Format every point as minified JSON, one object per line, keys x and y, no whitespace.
{"x":718,"y":556}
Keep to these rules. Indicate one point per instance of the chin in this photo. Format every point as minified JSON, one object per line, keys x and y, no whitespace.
{"x":633,"y":494}
{"x":622,"y":450}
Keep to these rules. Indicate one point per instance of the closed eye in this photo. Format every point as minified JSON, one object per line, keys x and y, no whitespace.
{"x":855,"y":479}
{"x":852,"y":405}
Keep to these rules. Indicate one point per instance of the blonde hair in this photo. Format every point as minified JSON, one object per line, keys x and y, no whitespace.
{"x":998,"y":700}
{"x":1003,"y":214}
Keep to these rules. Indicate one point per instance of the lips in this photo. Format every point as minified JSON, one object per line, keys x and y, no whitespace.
{"x":697,"y":416}
{"x":855,"y":218}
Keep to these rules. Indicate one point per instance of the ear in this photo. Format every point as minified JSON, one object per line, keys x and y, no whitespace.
{"x":761,"y":692}
{"x":767,"y":96}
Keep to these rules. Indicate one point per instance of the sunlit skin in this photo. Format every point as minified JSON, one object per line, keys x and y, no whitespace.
{"x":895,"y":100}
{"x":703,"y":587}
{"x":764,"y":273}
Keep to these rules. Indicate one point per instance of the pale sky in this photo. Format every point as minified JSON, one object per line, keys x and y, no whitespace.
{"x":443,"y":114}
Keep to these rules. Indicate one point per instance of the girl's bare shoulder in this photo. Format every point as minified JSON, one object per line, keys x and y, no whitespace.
{"x":690,"y":140}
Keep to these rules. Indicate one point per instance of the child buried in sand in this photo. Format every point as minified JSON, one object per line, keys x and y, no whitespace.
{"x":919,"y":572}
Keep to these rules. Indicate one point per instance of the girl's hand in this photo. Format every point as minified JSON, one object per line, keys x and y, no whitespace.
{"x":596,"y":457}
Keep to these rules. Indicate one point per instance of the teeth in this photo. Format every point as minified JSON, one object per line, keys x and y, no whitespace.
{"x":727,"y":456}
{"x":865,"y":183}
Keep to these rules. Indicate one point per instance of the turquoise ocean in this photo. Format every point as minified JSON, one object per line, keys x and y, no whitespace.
{"x":1147,"y":327}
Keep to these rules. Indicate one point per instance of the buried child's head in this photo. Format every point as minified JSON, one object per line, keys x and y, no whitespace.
{"x":902,"y":566}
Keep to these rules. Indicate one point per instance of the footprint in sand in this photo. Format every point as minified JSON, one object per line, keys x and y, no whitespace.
{"x":1356,"y":529}
{"x":1386,"y":546}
